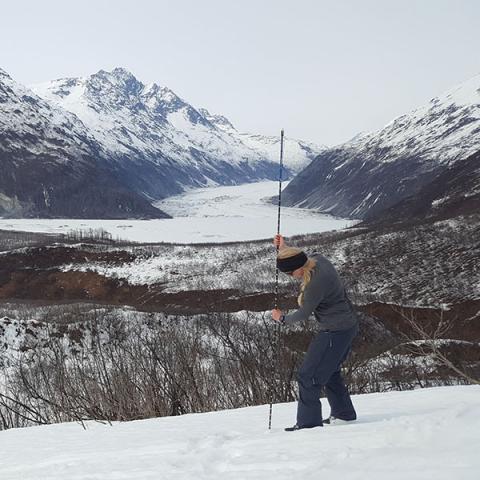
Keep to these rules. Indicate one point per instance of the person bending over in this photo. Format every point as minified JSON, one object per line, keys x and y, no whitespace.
{"x":323,"y":294}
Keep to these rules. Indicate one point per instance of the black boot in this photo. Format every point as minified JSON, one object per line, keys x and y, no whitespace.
{"x":296,"y":427}
{"x":292,"y":429}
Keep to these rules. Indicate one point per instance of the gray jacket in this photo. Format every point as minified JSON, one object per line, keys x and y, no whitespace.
{"x":326,"y":298}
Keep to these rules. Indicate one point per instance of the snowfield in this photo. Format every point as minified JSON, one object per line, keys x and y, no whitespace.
{"x":205,"y":215}
{"x":421,"y":434}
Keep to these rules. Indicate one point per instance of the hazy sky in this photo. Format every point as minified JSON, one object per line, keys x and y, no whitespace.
{"x":323,"y":70}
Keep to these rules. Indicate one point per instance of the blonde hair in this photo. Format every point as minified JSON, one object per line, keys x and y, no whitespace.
{"x":288,"y":252}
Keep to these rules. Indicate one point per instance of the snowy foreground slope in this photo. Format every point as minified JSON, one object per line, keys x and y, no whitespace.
{"x":420,"y":434}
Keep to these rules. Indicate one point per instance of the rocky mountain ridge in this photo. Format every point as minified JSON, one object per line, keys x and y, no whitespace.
{"x":107,"y":146}
{"x":51,"y":165}
{"x":159,"y":143}
{"x":376,"y":170}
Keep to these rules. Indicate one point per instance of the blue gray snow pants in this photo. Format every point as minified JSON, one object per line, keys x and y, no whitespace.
{"x":321,"y":369}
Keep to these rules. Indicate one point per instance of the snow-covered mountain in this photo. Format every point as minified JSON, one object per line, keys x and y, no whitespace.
{"x":376,"y":170}
{"x":159,"y":144}
{"x":298,"y":153}
{"x":50,"y":164}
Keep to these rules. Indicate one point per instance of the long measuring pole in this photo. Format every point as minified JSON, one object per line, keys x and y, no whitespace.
{"x":279,"y":210}
{"x":277,"y":330}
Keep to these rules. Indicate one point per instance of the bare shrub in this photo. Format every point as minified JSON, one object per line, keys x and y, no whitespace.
{"x":124,"y":370}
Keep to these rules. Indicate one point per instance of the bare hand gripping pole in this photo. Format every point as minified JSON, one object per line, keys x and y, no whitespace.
{"x":277,"y":329}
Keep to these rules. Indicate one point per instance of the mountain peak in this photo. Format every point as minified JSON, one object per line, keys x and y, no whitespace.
{"x":117,"y":72}
{"x":119,"y":79}
{"x":121,"y":71}
{"x":218,"y":120}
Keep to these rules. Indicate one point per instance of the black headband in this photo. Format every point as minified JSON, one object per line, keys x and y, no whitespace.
{"x":290,"y":264}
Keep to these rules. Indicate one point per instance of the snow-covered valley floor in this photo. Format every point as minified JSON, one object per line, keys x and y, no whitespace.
{"x":420,"y":434}
{"x":215,"y":214}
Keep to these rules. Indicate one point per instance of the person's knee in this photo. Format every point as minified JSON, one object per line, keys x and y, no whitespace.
{"x":334,"y":379}
{"x":303,"y":378}
{"x":307,"y":381}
